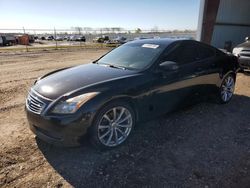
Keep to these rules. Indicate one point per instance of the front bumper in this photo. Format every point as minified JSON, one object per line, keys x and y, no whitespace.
{"x":244,"y":62}
{"x":67,"y":130}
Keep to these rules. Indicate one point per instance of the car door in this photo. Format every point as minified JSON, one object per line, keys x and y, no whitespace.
{"x":206,"y":69}
{"x":171,"y":88}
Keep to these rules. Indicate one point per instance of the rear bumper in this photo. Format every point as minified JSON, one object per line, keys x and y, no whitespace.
{"x":59,"y":130}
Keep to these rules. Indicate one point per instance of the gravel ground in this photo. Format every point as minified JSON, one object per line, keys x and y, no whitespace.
{"x":206,"y":145}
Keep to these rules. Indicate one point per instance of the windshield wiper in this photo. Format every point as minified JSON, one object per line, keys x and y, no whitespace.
{"x":117,"y":67}
{"x":113,"y":66}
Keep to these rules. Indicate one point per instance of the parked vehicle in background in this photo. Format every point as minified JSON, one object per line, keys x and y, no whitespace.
{"x":51,"y":37}
{"x":135,"y":82}
{"x":118,"y":40}
{"x":1,"y":41}
{"x":58,"y":38}
{"x":101,"y":39}
{"x":242,"y":51}
{"x":69,"y":38}
{"x":81,"y":39}
{"x":72,"y":38}
{"x":9,"y":40}
{"x":140,"y":38}
{"x":43,"y":38}
{"x":98,"y":39}
{"x":65,"y":37}
{"x":31,"y":38}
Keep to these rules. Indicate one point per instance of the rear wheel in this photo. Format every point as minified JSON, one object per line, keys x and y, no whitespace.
{"x":227,"y":89}
{"x":113,"y":125}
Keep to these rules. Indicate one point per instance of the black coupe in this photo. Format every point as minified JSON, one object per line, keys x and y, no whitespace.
{"x":135,"y":82}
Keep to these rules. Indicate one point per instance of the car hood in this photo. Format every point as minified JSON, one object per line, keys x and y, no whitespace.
{"x":65,"y":81}
{"x":244,"y":45}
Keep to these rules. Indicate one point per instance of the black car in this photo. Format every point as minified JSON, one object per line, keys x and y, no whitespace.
{"x":117,"y":40}
{"x":134,"y":82}
{"x":101,"y":39}
{"x":50,"y":37}
{"x":243,"y":53}
{"x":81,"y":39}
{"x":8,"y":40}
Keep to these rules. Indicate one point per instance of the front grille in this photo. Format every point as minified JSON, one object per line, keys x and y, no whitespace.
{"x":34,"y":104}
{"x":245,"y":53}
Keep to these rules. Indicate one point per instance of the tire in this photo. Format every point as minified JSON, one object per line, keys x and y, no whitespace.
{"x":226,"y":90}
{"x":112,"y":125}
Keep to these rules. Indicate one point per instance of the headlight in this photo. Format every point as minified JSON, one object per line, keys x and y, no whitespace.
{"x":236,"y":51}
{"x":73,"y":104}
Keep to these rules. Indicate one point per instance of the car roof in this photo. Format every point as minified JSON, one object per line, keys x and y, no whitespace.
{"x":164,"y":42}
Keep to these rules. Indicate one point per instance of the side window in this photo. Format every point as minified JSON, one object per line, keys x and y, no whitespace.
{"x":183,"y":53}
{"x":188,"y":54}
{"x":206,"y":52}
{"x":171,"y":55}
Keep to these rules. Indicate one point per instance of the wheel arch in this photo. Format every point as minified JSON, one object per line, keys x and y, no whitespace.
{"x":226,"y":73}
{"x":131,"y":102}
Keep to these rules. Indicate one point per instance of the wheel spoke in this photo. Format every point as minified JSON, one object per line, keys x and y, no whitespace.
{"x":126,"y":118}
{"x":103,"y":126}
{"x":101,"y":137}
{"x":110,"y":137}
{"x":107,"y":118}
{"x":114,"y":114}
{"x":120,"y":115}
{"x":123,"y":134}
{"x":225,"y":96}
{"x":124,"y":126}
{"x":116,"y":136}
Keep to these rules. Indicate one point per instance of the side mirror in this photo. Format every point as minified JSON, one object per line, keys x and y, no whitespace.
{"x":247,"y":39}
{"x":169,"y":66}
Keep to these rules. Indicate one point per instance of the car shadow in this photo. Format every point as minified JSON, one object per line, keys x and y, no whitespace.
{"x":195,"y":146}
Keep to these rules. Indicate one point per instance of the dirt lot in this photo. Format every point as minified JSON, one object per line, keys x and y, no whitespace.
{"x":206,"y":145}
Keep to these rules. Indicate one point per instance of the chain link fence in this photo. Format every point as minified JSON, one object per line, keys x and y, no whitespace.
{"x":79,"y":37}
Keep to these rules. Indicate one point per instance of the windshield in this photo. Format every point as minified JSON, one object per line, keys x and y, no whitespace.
{"x":132,"y":56}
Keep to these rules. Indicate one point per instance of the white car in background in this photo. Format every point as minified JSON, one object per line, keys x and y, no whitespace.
{"x":242,"y":51}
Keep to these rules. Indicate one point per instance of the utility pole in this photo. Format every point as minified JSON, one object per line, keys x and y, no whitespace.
{"x":26,"y":41}
{"x":55,"y":36}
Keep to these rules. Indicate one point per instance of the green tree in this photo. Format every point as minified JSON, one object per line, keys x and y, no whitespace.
{"x":138,"y":30}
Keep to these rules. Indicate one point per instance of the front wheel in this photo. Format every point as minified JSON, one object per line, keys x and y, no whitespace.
{"x":112,"y":125}
{"x":227,"y":89}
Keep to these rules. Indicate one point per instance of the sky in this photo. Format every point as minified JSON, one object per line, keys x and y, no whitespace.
{"x":128,"y":14}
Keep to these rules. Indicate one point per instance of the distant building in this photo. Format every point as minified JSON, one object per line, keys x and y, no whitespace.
{"x":25,"y":39}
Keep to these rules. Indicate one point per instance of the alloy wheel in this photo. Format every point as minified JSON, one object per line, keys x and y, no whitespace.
{"x":115,"y":126}
{"x":227,"y":89}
